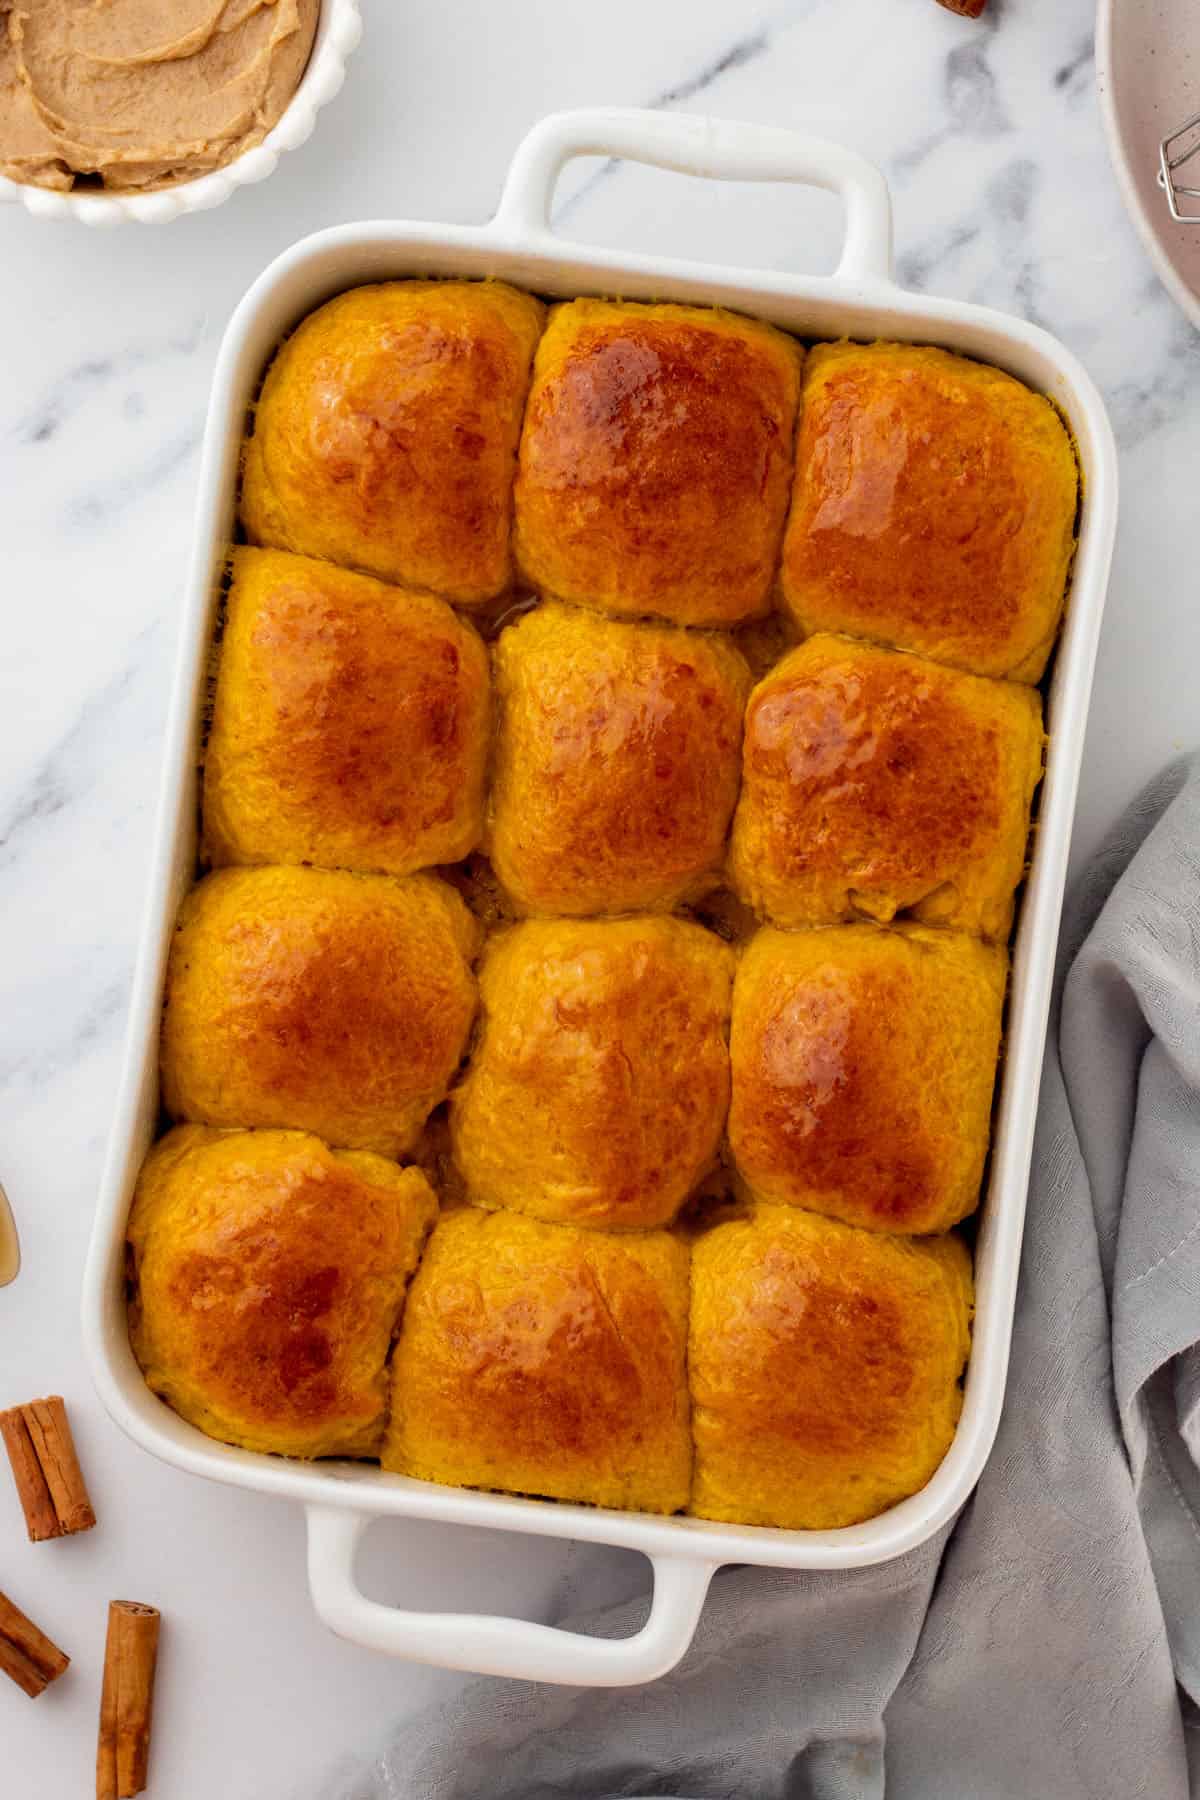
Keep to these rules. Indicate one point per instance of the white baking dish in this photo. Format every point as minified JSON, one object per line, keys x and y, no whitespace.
{"x":861,"y":300}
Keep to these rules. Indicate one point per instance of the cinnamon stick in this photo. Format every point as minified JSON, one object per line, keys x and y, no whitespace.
{"x":126,"y":1700}
{"x":969,"y":9}
{"x":46,"y":1469}
{"x":27,"y":1654}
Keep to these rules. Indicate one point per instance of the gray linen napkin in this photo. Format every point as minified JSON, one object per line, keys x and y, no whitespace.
{"x":1049,"y":1648}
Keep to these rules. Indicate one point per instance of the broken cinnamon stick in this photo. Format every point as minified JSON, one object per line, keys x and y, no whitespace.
{"x":27,"y":1654}
{"x":126,"y":1700}
{"x":46,"y":1469}
{"x":969,"y":9}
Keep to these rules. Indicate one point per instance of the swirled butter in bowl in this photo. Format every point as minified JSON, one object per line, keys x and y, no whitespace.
{"x":146,"y":109}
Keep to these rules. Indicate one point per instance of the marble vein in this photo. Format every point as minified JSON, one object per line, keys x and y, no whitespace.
{"x":94,"y":1021}
{"x":737,"y":55}
{"x":70,"y":770}
{"x":80,"y":383}
{"x":1078,"y":66}
{"x":95,"y":507}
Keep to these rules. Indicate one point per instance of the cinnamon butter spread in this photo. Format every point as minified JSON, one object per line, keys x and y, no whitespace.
{"x":137,"y":94}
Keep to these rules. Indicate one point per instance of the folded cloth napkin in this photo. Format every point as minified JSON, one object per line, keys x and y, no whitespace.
{"x":1049,"y":1647}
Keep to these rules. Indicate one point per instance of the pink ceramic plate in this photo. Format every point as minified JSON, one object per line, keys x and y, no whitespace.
{"x":1148,"y":70}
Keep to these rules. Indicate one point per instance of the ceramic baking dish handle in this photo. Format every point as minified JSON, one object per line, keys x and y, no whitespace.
{"x":486,"y":1645}
{"x":693,"y":144}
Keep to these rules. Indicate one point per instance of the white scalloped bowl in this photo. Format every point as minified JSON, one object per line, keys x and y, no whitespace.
{"x":339,"y":29}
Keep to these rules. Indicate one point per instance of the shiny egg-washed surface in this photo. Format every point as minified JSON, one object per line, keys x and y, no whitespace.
{"x":875,"y":783}
{"x":863,"y":1065}
{"x":824,"y":1366}
{"x":598,"y":1087}
{"x":386,"y":431}
{"x":319,"y":999}
{"x":933,"y":508}
{"x":616,"y":764}
{"x":350,"y":723}
{"x":655,"y":460}
{"x":546,"y":1360}
{"x":268,"y":1274}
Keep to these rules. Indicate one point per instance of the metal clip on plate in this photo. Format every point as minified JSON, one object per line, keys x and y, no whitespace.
{"x":1174,"y":153}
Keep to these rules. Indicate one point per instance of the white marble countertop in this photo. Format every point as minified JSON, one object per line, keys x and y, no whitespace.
{"x":990,"y":136}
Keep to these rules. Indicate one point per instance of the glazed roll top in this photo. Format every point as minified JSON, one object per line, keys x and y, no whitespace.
{"x":863,"y":1064}
{"x":385,"y":434}
{"x":545,"y":1361}
{"x":934,"y":508}
{"x":617,"y":761}
{"x":268,"y":1276}
{"x":655,"y":460}
{"x":350,"y":723}
{"x":824,"y":1366}
{"x":877,"y":784}
{"x":315,"y":998}
{"x":597,"y":1090}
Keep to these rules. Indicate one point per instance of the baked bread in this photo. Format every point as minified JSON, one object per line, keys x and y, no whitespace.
{"x":268,"y":1275}
{"x":350,"y":725}
{"x":386,"y":430}
{"x":934,"y":508}
{"x":863,"y":1062}
{"x":875,"y":783}
{"x":314,"y":998}
{"x":655,"y":460}
{"x":597,"y":1090}
{"x":823,"y":1365}
{"x":617,"y":761}
{"x":543,"y":1360}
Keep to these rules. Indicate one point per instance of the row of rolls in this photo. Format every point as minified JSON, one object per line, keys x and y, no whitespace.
{"x":610,"y":766}
{"x":775,"y":1368}
{"x":676,"y":461}
{"x":666,"y":942}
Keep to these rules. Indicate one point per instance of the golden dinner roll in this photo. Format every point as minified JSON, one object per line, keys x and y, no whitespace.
{"x":597,"y":1090}
{"x":655,"y":460}
{"x":934,"y":508}
{"x":823,"y":1365}
{"x":863,"y":1062}
{"x":268,"y":1274}
{"x":336,"y":1003}
{"x":875,"y":783}
{"x":350,"y":724}
{"x":548,"y":1361}
{"x":386,"y":431}
{"x":617,"y":761}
